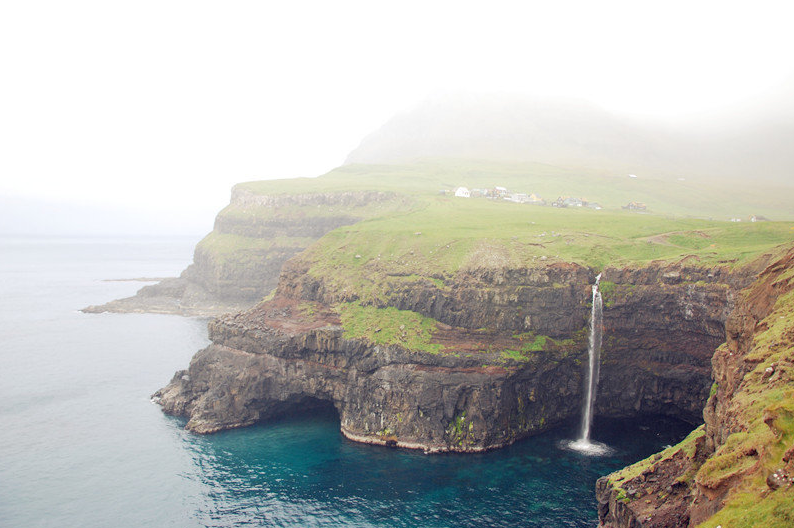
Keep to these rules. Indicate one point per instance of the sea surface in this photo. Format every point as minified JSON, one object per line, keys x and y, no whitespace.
{"x":82,"y":445}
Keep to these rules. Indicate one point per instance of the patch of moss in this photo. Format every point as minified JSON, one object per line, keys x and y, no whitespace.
{"x":622,"y":496}
{"x":459,"y":429}
{"x":606,"y":288}
{"x":686,"y":446}
{"x":308,"y":309}
{"x":730,"y":460}
{"x":530,"y":343}
{"x":388,"y":326}
{"x":749,"y":509}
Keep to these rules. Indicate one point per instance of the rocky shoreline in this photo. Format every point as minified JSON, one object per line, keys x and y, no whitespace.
{"x":291,"y":351}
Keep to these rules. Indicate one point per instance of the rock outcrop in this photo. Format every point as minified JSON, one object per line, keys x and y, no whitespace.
{"x":467,"y":394}
{"x":275,"y":359}
{"x":737,"y":469}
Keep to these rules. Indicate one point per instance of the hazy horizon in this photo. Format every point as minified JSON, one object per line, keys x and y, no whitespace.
{"x":151,"y":112}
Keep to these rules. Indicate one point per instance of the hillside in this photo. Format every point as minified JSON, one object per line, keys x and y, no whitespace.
{"x":268,"y":222}
{"x":701,"y":198}
{"x":747,"y":143}
{"x":459,"y":324}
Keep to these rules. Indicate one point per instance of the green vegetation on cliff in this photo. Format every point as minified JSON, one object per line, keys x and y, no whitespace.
{"x":764,"y":406}
{"x":226,"y":248}
{"x":685,"y":448}
{"x":742,"y":464}
{"x":388,"y":224}
{"x":388,"y":326}
{"x":449,"y":235}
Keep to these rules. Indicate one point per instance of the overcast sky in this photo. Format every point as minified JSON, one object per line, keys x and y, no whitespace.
{"x":159,"y":105}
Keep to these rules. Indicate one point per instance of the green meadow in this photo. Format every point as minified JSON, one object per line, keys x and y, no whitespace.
{"x":677,"y":194}
{"x":421,"y":232}
{"x":448,"y":234}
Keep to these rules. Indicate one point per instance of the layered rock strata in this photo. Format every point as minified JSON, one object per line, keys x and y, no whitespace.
{"x":737,"y":469}
{"x":661,"y":325}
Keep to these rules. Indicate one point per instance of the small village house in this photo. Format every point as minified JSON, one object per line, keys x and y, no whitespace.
{"x":635,"y":206}
{"x":499,"y":192}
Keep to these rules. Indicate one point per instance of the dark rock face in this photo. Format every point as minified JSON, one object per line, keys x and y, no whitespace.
{"x":549,"y":300}
{"x":661,"y":327}
{"x":673,"y":493}
{"x":384,"y":394}
{"x":658,"y":340}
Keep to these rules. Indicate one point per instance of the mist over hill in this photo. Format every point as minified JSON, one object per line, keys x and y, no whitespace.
{"x":750,"y":142}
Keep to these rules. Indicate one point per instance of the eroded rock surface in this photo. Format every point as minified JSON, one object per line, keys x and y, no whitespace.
{"x":741,"y":457}
{"x":291,"y":351}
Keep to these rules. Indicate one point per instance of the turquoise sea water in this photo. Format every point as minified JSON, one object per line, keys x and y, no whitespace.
{"x":81,"y":444}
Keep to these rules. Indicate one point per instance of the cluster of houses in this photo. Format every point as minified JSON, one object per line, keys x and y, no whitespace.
{"x":752,"y":218}
{"x":501,"y":193}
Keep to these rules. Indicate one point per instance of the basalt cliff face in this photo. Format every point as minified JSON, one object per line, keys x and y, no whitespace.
{"x":239,"y":262}
{"x":737,"y":469}
{"x":505,"y":359}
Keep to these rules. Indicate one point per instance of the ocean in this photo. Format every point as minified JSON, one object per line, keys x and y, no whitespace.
{"x":81,"y":444}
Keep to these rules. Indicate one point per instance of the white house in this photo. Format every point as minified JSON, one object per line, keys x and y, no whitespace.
{"x":462,"y":192}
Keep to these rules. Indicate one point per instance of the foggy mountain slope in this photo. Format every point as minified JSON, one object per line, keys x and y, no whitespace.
{"x":575,"y":133}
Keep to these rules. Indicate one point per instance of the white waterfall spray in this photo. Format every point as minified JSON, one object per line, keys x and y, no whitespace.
{"x":594,"y":359}
{"x":584,"y":444}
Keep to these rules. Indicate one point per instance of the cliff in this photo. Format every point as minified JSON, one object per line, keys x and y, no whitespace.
{"x":738,"y":468}
{"x":238,"y":263}
{"x":473,"y":362}
{"x":460,"y":325}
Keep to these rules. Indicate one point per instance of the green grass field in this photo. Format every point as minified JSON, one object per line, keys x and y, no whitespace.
{"x":450,"y":234}
{"x":665,"y":195}
{"x":422,"y":234}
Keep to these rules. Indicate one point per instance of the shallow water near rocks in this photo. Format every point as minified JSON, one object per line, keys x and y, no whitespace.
{"x":81,"y":444}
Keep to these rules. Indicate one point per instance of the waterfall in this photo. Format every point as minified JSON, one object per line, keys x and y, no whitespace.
{"x":583,"y":443}
{"x":594,"y":359}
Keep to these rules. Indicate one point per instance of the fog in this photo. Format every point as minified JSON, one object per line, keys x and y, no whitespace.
{"x":141,"y":116}
{"x":747,"y":143}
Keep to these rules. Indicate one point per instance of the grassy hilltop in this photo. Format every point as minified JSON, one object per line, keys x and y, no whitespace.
{"x":430,"y":234}
{"x":419,"y":234}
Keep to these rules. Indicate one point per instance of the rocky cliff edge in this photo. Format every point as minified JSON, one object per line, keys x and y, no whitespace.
{"x":738,"y":468}
{"x":473,"y":363}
